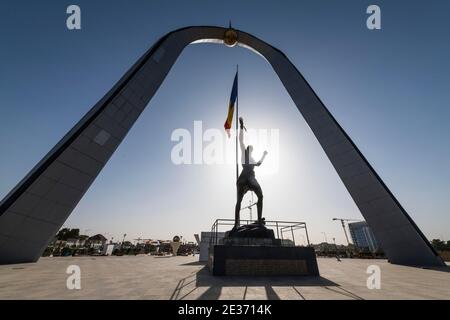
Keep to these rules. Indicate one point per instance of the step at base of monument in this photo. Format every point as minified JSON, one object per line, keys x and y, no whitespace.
{"x":244,"y":260}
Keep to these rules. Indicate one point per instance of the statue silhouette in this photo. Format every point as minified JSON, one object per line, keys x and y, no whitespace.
{"x":247,"y":181}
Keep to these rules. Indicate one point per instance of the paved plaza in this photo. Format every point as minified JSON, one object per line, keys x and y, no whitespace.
{"x":151,"y":277}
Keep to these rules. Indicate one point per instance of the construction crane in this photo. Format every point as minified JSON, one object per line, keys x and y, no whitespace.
{"x":343,"y":220}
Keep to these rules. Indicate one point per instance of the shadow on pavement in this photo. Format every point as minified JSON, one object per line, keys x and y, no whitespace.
{"x":195,"y":263}
{"x":187,"y":286}
{"x":441,"y":269}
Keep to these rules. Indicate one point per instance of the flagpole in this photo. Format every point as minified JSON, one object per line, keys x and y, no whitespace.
{"x":237,"y":119}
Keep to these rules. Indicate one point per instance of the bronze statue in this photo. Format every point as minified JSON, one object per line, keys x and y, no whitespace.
{"x":247,"y":181}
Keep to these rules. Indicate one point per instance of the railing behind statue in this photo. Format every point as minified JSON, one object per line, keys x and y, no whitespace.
{"x":282,"y":230}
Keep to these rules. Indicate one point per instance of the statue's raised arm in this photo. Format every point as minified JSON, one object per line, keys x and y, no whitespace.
{"x":262,"y":158}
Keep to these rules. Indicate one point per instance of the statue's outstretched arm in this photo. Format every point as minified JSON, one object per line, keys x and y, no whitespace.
{"x":262,"y":158}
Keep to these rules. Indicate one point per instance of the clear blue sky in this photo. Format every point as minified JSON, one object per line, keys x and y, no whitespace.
{"x":389,"y":89}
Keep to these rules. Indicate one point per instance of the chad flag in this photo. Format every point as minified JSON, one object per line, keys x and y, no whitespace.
{"x":231,"y":105}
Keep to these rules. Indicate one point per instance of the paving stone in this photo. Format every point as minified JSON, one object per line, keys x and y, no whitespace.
{"x":148,"y":277}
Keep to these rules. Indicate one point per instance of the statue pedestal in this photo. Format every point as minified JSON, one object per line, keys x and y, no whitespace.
{"x":251,"y":241}
{"x":253,"y":250}
{"x":252,"y":230}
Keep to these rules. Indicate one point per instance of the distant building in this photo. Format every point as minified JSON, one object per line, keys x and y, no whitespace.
{"x":59,"y":243}
{"x":96,"y":242}
{"x":72,"y":242}
{"x":75,"y":242}
{"x":363,"y":236}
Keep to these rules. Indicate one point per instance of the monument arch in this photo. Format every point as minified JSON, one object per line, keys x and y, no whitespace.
{"x":32,"y":213}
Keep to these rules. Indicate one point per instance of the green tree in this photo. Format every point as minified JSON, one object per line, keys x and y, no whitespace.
{"x":438,"y":244}
{"x":67,"y":233}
